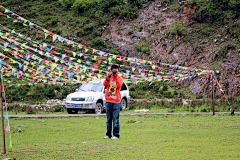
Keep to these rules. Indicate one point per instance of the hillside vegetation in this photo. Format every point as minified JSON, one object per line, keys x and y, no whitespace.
{"x":209,"y":31}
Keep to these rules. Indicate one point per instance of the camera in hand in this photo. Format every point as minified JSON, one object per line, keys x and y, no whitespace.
{"x":114,"y":72}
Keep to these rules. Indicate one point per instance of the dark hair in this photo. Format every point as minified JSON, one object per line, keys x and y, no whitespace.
{"x":115,"y":66}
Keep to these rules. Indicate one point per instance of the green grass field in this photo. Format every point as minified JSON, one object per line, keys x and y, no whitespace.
{"x":151,"y":110}
{"x":156,"y":137}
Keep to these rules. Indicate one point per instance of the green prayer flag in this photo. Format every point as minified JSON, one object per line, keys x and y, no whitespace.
{"x":24,"y":20}
{"x":109,"y":59}
{"x":10,"y":144}
{"x":44,"y":44}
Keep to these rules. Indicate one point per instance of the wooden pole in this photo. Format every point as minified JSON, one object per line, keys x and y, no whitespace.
{"x":213,"y":97}
{"x":1,"y":105}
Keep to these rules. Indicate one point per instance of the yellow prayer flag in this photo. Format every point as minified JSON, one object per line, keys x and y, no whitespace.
{"x":74,"y":54}
{"x":82,"y":76}
{"x":60,"y":73}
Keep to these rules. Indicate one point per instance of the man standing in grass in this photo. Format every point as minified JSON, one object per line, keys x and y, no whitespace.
{"x":113,"y":83}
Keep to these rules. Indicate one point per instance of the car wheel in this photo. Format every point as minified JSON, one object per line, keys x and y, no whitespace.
{"x":123,"y":104}
{"x":72,"y":111}
{"x":99,"y":108}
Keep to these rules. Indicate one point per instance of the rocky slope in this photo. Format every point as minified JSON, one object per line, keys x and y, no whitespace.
{"x":156,"y":20}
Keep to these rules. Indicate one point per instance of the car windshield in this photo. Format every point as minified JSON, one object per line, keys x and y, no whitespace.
{"x":91,"y":87}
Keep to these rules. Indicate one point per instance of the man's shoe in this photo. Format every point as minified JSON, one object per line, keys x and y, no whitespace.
{"x":114,"y":138}
{"x":106,"y":137}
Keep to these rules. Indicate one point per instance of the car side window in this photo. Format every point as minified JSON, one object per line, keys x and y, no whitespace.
{"x":124,"y":87}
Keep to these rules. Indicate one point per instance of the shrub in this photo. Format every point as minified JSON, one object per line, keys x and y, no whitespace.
{"x":177,"y":28}
{"x":152,"y":31}
{"x":89,"y":27}
{"x":99,"y":42}
{"x":222,"y":52}
{"x":144,"y":48}
{"x":157,"y":21}
{"x":130,"y":31}
{"x":58,"y":109}
{"x":67,"y":3}
{"x":54,"y":20}
{"x":79,"y":6}
{"x":140,"y":28}
{"x":119,"y":28}
{"x":144,"y":38}
{"x":214,"y":10}
{"x":132,"y":89}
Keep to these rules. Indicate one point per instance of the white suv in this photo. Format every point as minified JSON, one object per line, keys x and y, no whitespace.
{"x":92,"y":96}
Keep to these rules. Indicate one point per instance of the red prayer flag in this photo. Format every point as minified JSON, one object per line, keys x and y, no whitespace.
{"x":95,"y":65}
{"x":77,"y":71}
{"x":1,"y":14}
{"x":67,"y":51}
{"x":39,"y":31}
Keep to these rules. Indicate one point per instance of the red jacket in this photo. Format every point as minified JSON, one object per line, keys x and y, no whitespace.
{"x":114,"y":85}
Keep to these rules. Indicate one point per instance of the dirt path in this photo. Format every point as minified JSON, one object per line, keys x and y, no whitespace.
{"x":80,"y":115}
